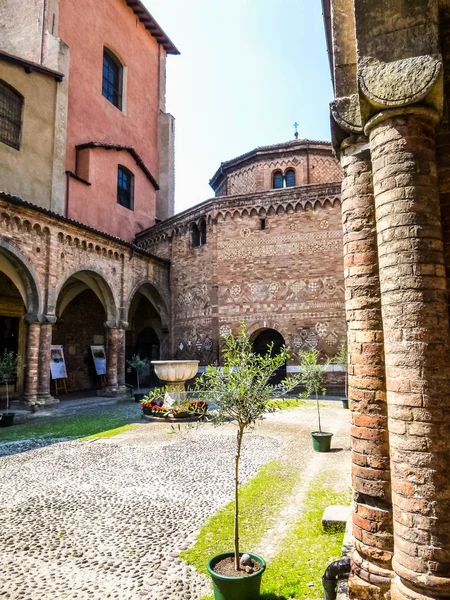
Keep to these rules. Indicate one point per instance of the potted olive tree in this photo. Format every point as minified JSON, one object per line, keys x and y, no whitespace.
{"x":312,"y":375}
{"x":241,"y":392}
{"x":138,"y":364}
{"x":341,"y":359}
{"x":8,"y":373}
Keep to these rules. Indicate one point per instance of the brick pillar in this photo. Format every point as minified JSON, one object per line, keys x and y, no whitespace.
{"x":416,"y":332}
{"x":32,"y":363}
{"x":44,"y":396}
{"x":112,"y":361}
{"x":121,"y":359}
{"x":372,"y":516}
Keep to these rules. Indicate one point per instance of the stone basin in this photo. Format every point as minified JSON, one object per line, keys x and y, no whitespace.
{"x":175,"y":371}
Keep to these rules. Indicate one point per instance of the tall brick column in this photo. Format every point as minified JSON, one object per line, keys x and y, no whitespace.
{"x":32,"y":362}
{"x":416,"y":332}
{"x":121,"y":360}
{"x":372,"y":517}
{"x":112,"y":360}
{"x":44,"y":396}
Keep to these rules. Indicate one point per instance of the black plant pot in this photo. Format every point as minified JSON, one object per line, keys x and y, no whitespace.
{"x":7,"y":419}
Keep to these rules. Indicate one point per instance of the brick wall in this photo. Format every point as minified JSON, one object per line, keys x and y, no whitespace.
{"x":288,"y":276}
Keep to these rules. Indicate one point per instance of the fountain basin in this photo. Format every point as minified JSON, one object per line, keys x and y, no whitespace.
{"x":175,"y":372}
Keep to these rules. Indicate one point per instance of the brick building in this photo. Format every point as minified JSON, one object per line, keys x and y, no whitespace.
{"x":87,"y":170}
{"x":86,"y":161}
{"x":267,"y":250}
{"x":390,"y":64}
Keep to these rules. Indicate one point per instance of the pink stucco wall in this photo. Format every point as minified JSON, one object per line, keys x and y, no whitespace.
{"x":87,"y":26}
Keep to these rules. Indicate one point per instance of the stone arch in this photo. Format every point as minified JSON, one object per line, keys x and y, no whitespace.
{"x":148,"y":289}
{"x":24,"y":276}
{"x":83,"y":278}
{"x":255,"y":328}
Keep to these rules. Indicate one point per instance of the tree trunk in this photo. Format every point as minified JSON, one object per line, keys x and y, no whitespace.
{"x":137,"y":379}
{"x":236,"y":498}
{"x":318,"y":413}
{"x":7,"y":397}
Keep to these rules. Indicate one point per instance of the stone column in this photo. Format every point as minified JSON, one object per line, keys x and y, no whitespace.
{"x":112,"y":360}
{"x":372,"y":515}
{"x":44,"y":397}
{"x":32,"y":363}
{"x":416,"y":333}
{"x":121,"y":361}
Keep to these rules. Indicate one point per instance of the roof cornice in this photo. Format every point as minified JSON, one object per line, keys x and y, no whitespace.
{"x":120,"y":148}
{"x":152,"y":26}
{"x":31,"y":67}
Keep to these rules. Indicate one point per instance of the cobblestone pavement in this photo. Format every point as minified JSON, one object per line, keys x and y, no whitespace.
{"x":106,"y":519}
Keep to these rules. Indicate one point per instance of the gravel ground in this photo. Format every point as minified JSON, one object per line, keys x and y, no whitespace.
{"x":106,"y":519}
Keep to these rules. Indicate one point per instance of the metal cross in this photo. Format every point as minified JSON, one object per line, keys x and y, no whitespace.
{"x":296,"y":132}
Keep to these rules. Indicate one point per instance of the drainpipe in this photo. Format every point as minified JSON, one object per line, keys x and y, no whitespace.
{"x":330,"y":578}
{"x":67,"y":193}
{"x":44,"y":10}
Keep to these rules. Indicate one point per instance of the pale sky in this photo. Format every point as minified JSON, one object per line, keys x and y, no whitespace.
{"x":248,"y":70}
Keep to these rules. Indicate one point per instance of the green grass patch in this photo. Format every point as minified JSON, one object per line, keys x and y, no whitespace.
{"x":110,"y":432}
{"x":286,"y":403}
{"x":259,"y":502}
{"x":307,"y":550}
{"x":97,"y":425}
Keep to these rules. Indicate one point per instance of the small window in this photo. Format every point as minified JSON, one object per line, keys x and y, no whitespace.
{"x":277,"y":180}
{"x":198,"y":234}
{"x":262,"y":224}
{"x":202,"y":232}
{"x":112,"y":79}
{"x":290,"y":178}
{"x":125,"y":187}
{"x":11,"y":106}
{"x":195,"y":235}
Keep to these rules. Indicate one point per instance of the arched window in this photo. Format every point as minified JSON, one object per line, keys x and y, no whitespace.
{"x":11,"y":107}
{"x":125,"y":187}
{"x":112,"y":78}
{"x":202,"y":232}
{"x":195,"y":235}
{"x":277,"y":180}
{"x":290,"y":178}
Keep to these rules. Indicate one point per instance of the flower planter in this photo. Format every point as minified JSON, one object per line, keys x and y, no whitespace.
{"x":321,"y":441}
{"x":236,"y":588}
{"x":138,"y":396}
{"x":345,"y":402}
{"x":7,"y":420}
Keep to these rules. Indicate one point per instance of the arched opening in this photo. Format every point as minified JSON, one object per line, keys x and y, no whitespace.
{"x":277,"y":180}
{"x":261,"y":340}
{"x":12,"y":329}
{"x":195,"y":235}
{"x":146,"y":334}
{"x":18,"y":296}
{"x":84,"y":304}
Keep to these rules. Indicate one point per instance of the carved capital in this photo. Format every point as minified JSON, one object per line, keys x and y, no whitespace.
{"x":400,"y":83}
{"x":345,"y":119}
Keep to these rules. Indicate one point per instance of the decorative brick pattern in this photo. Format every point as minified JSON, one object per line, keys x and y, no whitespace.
{"x":286,"y":276}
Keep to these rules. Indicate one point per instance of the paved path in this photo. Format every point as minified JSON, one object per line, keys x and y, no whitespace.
{"x":106,"y":519}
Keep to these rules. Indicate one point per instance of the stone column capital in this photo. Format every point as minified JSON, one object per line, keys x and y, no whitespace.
{"x":426,"y":112}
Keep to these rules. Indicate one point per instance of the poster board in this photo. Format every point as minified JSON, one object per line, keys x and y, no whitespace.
{"x":57,"y":363}
{"x":99,"y":356}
